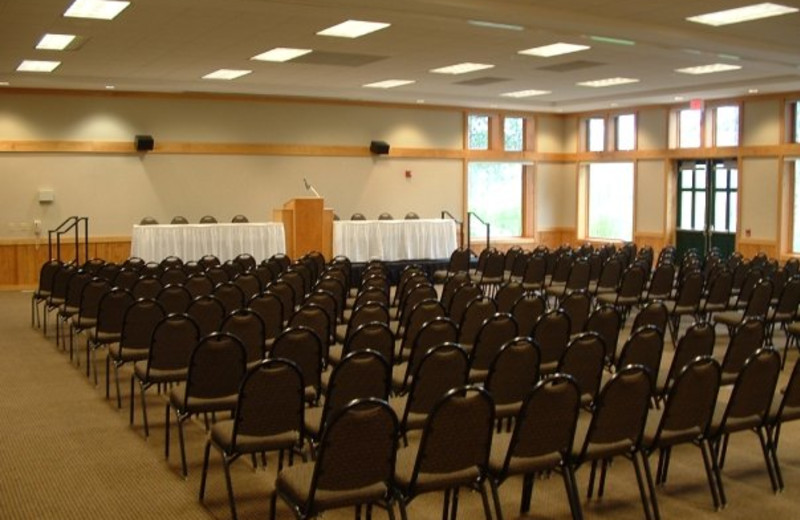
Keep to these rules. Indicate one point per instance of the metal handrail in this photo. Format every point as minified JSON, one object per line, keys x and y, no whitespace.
{"x":447,"y":214}
{"x":70,"y":224}
{"x":470,"y":216}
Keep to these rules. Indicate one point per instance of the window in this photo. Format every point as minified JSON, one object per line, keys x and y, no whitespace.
{"x":611,"y":201}
{"x":495,"y":195}
{"x":595,"y":134}
{"x":626,"y":132}
{"x":689,"y":128}
{"x":727,"y":126}
{"x":796,"y":119}
{"x":513,"y":133}
{"x":478,"y":132}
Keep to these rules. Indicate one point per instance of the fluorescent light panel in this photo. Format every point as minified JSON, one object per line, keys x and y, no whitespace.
{"x":38,"y":66}
{"x":494,"y":25}
{"x":227,"y":74}
{"x":96,"y":9}
{"x":353,"y":29}
{"x":708,"y":69}
{"x":614,"y":41}
{"x":462,"y":68}
{"x":526,"y":93}
{"x":607,"y":82}
{"x":742,"y":14}
{"x":55,"y":42}
{"x":389,"y":83}
{"x":554,"y":49}
{"x":281,"y":54}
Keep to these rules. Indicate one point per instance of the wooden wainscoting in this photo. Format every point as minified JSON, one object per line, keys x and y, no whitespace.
{"x":751,"y":247}
{"x":21,"y":259}
{"x":555,"y":237}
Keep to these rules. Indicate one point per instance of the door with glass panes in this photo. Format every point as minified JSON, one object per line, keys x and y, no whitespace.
{"x":707,"y":205}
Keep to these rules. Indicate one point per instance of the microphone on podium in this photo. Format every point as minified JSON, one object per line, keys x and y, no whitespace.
{"x":310,"y":188}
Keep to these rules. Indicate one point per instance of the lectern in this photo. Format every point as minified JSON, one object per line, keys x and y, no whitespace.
{"x":308,"y":226}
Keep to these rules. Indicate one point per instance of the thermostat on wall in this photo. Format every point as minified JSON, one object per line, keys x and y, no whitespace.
{"x":46,"y":196}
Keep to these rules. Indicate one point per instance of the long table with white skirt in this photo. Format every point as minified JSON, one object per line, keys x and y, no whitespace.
{"x":192,"y":241}
{"x":390,"y":240}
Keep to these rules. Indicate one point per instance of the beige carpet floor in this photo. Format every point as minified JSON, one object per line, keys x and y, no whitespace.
{"x":66,"y":452}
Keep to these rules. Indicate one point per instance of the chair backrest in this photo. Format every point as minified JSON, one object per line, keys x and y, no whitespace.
{"x":173,"y":275}
{"x":513,"y":371}
{"x":610,"y":274}
{"x":457,"y":435}
{"x":632,"y":283}
{"x":645,"y":347}
{"x":689,"y":406}
{"x":477,"y":310}
{"x":365,"y":431}
{"x":441,"y":368}
{"x":606,"y":321}
{"x":316,"y":318}
{"x":459,"y":261}
{"x":298,"y":279}
{"x":172,"y":342}
{"x":385,"y":216}
{"x":199,"y":284}
{"x":789,"y":407}
{"x":111,"y":310}
{"x":138,"y":322}
{"x":759,"y":301}
{"x":216,"y":367}
{"x":208,"y":312}
{"x":577,"y":305}
{"x":147,"y":287}
{"x":286,"y":293}
{"x":270,"y":308}
{"x":654,"y":313}
{"x":174,"y":298}
{"x":179,"y":219}
{"x":563,"y":264}
{"x":148,"y":221}
{"x":551,"y":332}
{"x":411,"y":216}
{"x":619,"y":415}
{"x":527,"y":309}
{"x":247,"y":325}
{"x":360,"y":374}
{"x":373,"y":335}
{"x":661,"y":282}
{"x":327,"y":301}
{"x":745,"y":340}
{"x":461,"y":298}
{"x":335,"y":286}
{"x":358,"y":216}
{"x":584,"y":360}
{"x":495,"y":331}
{"x":507,"y":295}
{"x":546,"y":422}
{"x":789,"y":298}
{"x":750,"y":399}
{"x":366,"y":312}
{"x":719,"y":290}
{"x":698,"y":340}
{"x":579,"y":274}
{"x":91,"y":295}
{"x":535,"y":271}
{"x":240,"y":219}
{"x":208,"y":219}
{"x":302,"y":346}
{"x":249,"y":284}
{"x":434,"y":332}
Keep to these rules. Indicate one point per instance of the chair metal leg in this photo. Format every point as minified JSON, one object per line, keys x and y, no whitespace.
{"x":226,"y":466}
{"x":705,"y":449}
{"x":651,"y":486}
{"x":494,"y":484}
{"x":572,"y":492}
{"x":590,"y":487}
{"x":142,"y":389}
{"x":487,"y":510}
{"x":642,"y":490}
{"x":204,"y":474}
{"x":767,"y":451}
{"x":601,"y":486}
{"x":527,"y":494}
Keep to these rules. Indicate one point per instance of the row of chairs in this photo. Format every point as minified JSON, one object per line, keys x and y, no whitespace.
{"x":385,"y":216}
{"x":205,"y":219}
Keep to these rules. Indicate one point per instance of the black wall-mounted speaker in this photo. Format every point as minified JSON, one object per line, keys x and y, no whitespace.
{"x":144,"y":143}
{"x":379,"y":147}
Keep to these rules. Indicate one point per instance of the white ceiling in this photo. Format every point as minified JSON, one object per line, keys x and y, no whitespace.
{"x":168,"y":45}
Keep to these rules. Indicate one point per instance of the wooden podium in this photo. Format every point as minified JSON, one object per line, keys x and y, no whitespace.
{"x":308,"y":226}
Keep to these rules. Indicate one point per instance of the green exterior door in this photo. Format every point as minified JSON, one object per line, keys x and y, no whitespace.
{"x":708,"y":198}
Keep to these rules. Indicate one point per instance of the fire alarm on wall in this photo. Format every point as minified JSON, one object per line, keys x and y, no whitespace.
{"x":408,"y":174}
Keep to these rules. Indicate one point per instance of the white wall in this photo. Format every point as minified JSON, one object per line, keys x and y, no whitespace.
{"x":758,"y":189}
{"x":651,"y":196}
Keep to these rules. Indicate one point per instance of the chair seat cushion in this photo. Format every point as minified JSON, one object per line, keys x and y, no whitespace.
{"x":404,"y":469}
{"x":127,"y":354}
{"x":295,"y":483}
{"x":518,"y":465}
{"x":177,"y":398}
{"x":222,"y":436}
{"x":159,"y":375}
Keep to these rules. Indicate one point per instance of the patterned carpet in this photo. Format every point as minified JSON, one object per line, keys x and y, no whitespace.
{"x":67,"y":452}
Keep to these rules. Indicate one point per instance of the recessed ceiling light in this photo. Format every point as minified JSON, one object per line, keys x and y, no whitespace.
{"x":742,"y":14}
{"x":353,"y":29}
{"x":389,"y":83}
{"x":96,"y":9}
{"x":227,"y":74}
{"x":615,"y":41}
{"x":607,"y":82}
{"x":110,"y":87}
{"x":525,"y":93}
{"x":679,"y":98}
{"x":4,"y":83}
{"x":55,"y":42}
{"x":555,"y":49}
{"x":752,"y":91}
{"x":709,"y":69}
{"x":494,"y":25}
{"x":462,"y":68}
{"x":38,"y":66}
{"x":281,"y":54}
{"x":420,"y":101}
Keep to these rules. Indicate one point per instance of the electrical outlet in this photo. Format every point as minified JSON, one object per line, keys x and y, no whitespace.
{"x":37,"y":227}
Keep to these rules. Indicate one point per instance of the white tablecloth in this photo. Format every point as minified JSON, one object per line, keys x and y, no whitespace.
{"x":192,"y":241}
{"x":361,"y":240}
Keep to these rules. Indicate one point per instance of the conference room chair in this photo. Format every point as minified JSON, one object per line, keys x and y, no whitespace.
{"x":748,"y":337}
{"x":264,"y":274}
{"x":414,"y":295}
{"x":298,"y":278}
{"x":685,"y":302}
{"x":171,"y":345}
{"x":784,"y":310}
{"x":108,"y":271}
{"x":249,"y":284}
{"x":286,"y":293}
{"x":684,"y":419}
{"x":208,"y":219}
{"x":232,"y":268}
{"x":108,"y":329}
{"x":199,"y":284}
{"x":578,"y":306}
{"x":527,"y":309}
{"x":71,"y":304}
{"x":629,"y":292}
{"x":126,"y":278}
{"x":373,"y":335}
{"x":268,"y":417}
{"x":173,"y":275}
{"x":318,"y":319}
{"x":747,"y":409}
{"x":333,"y":282}
{"x":360,"y":374}
{"x":327,"y":301}
{"x":385,"y":216}
{"x":757,"y":307}
{"x":148,"y":221}
{"x":269,"y":307}
{"x":208,"y":260}
{"x":247,"y":325}
{"x":218,"y":274}
{"x":434,"y":332}
{"x":179,"y":219}
{"x":584,"y":360}
{"x":208,"y":312}
{"x":476,"y":311}
{"x":138,"y":323}
{"x":458,"y":263}
{"x":540,"y":443}
{"x":133,"y":262}
{"x":552,"y":332}
{"x":58,"y":295}
{"x":365,"y":430}
{"x":494,"y":332}
{"x":246,"y":261}
{"x":368,"y":294}
{"x":47,"y":275}
{"x":411,"y":216}
{"x":452,"y":452}
{"x":615,"y":429}
{"x":717,"y":295}
{"x":512,"y":255}
{"x":490,"y":275}
{"x":358,"y":216}
{"x":577,"y":279}
{"x":231,"y":296}
{"x":512,"y":374}
{"x":369,"y":311}
{"x":240,"y":219}
{"x":645,"y":347}
{"x":88,"y":310}
{"x":152,"y":269}
{"x":535,"y":274}
{"x":608,"y":278}
{"x":507,"y":295}
{"x":697,"y":341}
{"x":450,"y":286}
{"x":147,"y":286}
{"x":606,"y":321}
{"x":652,"y":312}
{"x":303,"y":346}
{"x":785,"y":408}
